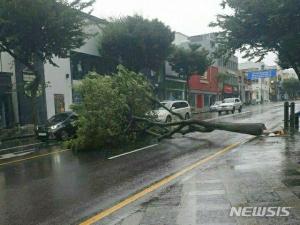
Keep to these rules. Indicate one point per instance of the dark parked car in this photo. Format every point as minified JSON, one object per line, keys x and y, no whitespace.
{"x":61,"y":126}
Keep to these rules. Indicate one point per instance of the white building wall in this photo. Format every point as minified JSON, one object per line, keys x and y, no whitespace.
{"x":261,"y":90}
{"x":59,"y":82}
{"x":261,"y":87}
{"x":57,"y":76}
{"x":181,"y":39}
{"x":91,"y":45}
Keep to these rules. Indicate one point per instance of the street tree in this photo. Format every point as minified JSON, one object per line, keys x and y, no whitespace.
{"x":190,"y":61}
{"x":259,"y":27}
{"x":291,"y":87}
{"x":137,"y":43}
{"x":107,"y":106}
{"x":36,"y":31}
{"x":221,"y":79}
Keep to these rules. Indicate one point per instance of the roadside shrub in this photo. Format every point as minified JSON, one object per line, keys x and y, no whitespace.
{"x":107,"y":104}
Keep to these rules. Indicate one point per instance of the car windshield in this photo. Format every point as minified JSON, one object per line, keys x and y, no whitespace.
{"x":58,"y":118}
{"x":228,"y":100}
{"x":218,"y":102}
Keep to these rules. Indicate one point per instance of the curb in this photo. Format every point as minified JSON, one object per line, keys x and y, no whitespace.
{"x":18,"y":137}
{"x":26,"y":148}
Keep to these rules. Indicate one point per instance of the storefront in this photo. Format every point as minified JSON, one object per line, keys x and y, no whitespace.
{"x":230,"y":91}
{"x":6,"y":108}
{"x":174,"y":89}
{"x":204,"y":89}
{"x":202,"y":100}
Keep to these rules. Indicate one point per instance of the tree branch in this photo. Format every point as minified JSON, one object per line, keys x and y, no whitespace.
{"x":166,"y":108}
{"x":204,"y":126}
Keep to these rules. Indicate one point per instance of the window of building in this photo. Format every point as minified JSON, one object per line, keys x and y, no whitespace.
{"x":59,"y":103}
{"x":204,"y":76}
{"x":82,"y":64}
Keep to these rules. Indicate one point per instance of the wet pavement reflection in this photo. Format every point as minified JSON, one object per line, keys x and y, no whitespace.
{"x":64,"y":188}
{"x":250,"y":176}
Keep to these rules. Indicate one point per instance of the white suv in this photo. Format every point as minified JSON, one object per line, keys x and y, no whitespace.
{"x":230,"y":105}
{"x":181,"y":107}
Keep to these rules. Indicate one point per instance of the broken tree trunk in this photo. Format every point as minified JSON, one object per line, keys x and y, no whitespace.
{"x":204,"y":126}
{"x":159,"y":129}
{"x":244,"y":128}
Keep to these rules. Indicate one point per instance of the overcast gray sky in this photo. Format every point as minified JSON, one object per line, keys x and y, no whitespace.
{"x":190,"y":17}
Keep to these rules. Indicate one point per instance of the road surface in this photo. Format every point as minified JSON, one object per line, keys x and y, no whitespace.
{"x":59,"y":187}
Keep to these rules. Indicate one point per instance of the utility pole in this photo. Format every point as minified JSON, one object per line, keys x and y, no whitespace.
{"x":261,"y":91}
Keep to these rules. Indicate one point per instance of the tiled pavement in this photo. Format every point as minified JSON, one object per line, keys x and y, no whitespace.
{"x":263,"y":172}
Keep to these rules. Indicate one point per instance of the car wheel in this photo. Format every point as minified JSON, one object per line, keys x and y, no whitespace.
{"x":220,"y":112}
{"x":64,"y":136}
{"x":168,"y":119}
{"x":227,"y":112}
{"x":233,"y":110}
{"x":240,"y":109}
{"x":187,"y":116}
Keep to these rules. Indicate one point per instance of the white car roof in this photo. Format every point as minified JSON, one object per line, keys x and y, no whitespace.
{"x":173,"y":101}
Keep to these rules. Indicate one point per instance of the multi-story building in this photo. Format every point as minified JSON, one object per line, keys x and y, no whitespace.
{"x":204,"y":88}
{"x":278,"y":92}
{"x":261,"y":87}
{"x":233,"y":85}
{"x":59,"y":93}
{"x":174,"y":84}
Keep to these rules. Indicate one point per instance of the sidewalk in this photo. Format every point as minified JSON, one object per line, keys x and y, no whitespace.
{"x":11,"y":139}
{"x":16,"y":132}
{"x":264,"y":172}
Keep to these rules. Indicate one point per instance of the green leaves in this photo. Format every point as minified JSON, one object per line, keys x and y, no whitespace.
{"x":41,"y":28}
{"x":35,"y":31}
{"x":193,"y":60}
{"x":107,"y":107}
{"x":258,"y":27}
{"x":137,"y":43}
{"x":292,"y":87}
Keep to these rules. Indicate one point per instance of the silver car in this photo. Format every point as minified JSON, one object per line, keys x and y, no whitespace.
{"x":230,"y":105}
{"x":214,"y":107}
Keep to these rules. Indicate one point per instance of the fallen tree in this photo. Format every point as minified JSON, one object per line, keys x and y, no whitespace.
{"x":116,"y":110}
{"x":158,"y":129}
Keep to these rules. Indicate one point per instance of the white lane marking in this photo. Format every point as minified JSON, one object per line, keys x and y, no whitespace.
{"x":12,"y":155}
{"x":137,"y":150}
{"x":21,"y":146}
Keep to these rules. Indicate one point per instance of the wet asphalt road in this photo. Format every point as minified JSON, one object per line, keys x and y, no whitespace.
{"x":63,"y":188}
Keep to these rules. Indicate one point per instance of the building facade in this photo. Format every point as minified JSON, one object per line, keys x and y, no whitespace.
{"x":261,"y":87}
{"x":59,"y":94}
{"x":9,"y":114}
{"x":174,"y":84}
{"x":204,"y":89}
{"x":232,"y":86}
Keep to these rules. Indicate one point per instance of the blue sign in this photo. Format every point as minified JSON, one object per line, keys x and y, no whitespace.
{"x":261,"y":74}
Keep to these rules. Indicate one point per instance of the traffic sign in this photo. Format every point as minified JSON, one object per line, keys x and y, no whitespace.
{"x":254,"y":75}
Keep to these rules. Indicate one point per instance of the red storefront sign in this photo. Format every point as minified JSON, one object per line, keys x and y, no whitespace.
{"x":228,"y":89}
